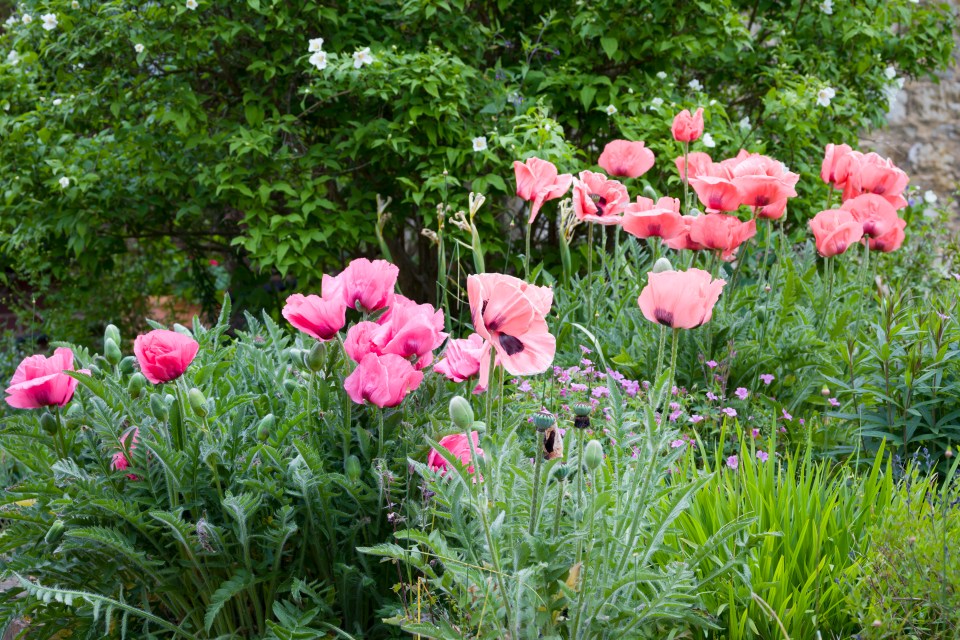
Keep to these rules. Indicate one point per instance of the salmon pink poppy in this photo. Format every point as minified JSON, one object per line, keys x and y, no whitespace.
{"x":763,"y":181}
{"x":834,"y":231}
{"x":367,"y":286}
{"x":537,"y":182}
{"x":599,"y":199}
{"x":646,"y":219}
{"x":773,"y":211}
{"x":716,"y":193}
{"x":876,"y":215}
{"x":321,"y":317}
{"x":409,"y":330}
{"x":461,"y":359}
{"x":459,"y":446}
{"x":686,"y":127}
{"x":382,"y":380}
{"x":879,"y":176}
{"x":41,"y":382}
{"x":164,"y":355}
{"x":626,"y":159}
{"x":683,"y":240}
{"x":120,"y":462}
{"x":680,"y":299}
{"x":698,"y":162}
{"x":721,"y":232}
{"x":891,"y":240}
{"x":833,"y":169}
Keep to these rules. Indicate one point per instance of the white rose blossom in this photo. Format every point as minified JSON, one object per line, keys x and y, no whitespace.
{"x":75,"y":4}
{"x":656,"y":103}
{"x":827,"y":7}
{"x":49,"y":21}
{"x":695,"y":85}
{"x":744,"y":123}
{"x":57,"y":102}
{"x":480,"y":143}
{"x":662,"y":75}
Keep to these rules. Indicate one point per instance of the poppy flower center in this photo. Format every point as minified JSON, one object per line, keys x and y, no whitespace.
{"x":599,"y":201}
{"x":663,"y":316}
{"x":510,"y":344}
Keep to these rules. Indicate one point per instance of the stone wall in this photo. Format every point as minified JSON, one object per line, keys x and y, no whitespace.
{"x":924,"y":133}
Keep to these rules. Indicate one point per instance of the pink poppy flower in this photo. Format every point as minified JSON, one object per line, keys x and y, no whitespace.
{"x":717,"y":193}
{"x":359,"y":340}
{"x":119,"y":462}
{"x":699,"y":164}
{"x":626,"y":159}
{"x":721,"y":232}
{"x":537,"y":182}
{"x":644,"y":219}
{"x":321,"y":317}
{"x":832,"y":161}
{"x":682,"y":240}
{"x":510,"y":315}
{"x":41,"y":382}
{"x":891,"y":240}
{"x":367,"y":286}
{"x":598,"y":199}
{"x":876,"y":215}
{"x":461,"y":359}
{"x":686,"y":127}
{"x":409,"y":330}
{"x":872,"y":173}
{"x":383,"y":380}
{"x":680,"y":299}
{"x":459,"y":446}
{"x":834,"y":231}
{"x":773,"y":211}
{"x":164,"y":355}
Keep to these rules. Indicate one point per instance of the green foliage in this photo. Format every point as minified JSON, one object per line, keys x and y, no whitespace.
{"x":185,"y":135}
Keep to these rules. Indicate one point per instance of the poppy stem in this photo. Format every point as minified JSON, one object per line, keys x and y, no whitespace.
{"x":686,"y":179}
{"x":663,"y":342}
{"x":526,"y":254}
{"x":537,"y":465}
{"x":673,"y":360}
{"x":559,"y":509}
{"x":590,"y":273}
{"x":489,"y":409}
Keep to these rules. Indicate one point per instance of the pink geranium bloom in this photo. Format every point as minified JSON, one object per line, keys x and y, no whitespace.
{"x":120,"y":462}
{"x":41,"y":382}
{"x":626,"y":159}
{"x":721,"y":232}
{"x":834,"y":231}
{"x":367,"y":286}
{"x":459,"y":446}
{"x":383,"y":380}
{"x":680,"y":299}
{"x":510,"y":315}
{"x":686,"y":127}
{"x":876,"y":215}
{"x":698,"y":161}
{"x":461,"y":359}
{"x":683,"y":240}
{"x":164,"y":355}
{"x":717,"y":193}
{"x":891,"y":240}
{"x":598,"y":199}
{"x":645,"y":219}
{"x":537,"y":182}
{"x":321,"y":317}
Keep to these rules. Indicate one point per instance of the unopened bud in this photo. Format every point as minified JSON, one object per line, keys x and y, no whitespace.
{"x":290,"y":385}
{"x":876,"y":623}
{"x":198,"y":402}
{"x":49,"y":423}
{"x":593,"y":454}
{"x":54,"y":533}
{"x":315,"y":358}
{"x":825,"y":391}
{"x":767,"y":289}
{"x":948,"y":453}
{"x":157,"y":408}
{"x":460,"y":412}
{"x":352,"y":467}
{"x":126,"y":365}
{"x":265,"y":428}
{"x":111,"y":333}
{"x":136,"y":385}
{"x":111,"y":351}
{"x":661,"y":265}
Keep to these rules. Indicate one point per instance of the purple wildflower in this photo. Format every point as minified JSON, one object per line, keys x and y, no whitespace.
{"x":762,"y":456}
{"x":741,"y":393}
{"x":730,"y":411}
{"x":767,"y":378}
{"x":733,"y":462}
{"x":696,"y":418}
{"x":834,"y":402}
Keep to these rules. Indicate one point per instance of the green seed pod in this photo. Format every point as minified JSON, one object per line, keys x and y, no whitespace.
{"x":593,"y":454}
{"x":543,"y":420}
{"x":267,"y":423}
{"x":127,"y":365}
{"x":54,"y":533}
{"x":352,"y":467}
{"x":157,"y":408}
{"x":460,"y":412}
{"x":111,"y":333}
{"x":315,"y":358}
{"x":581,"y":413}
{"x":111,"y":351}
{"x":136,"y":385}
{"x":198,"y":402}
{"x":48,"y":423}
{"x":661,"y":265}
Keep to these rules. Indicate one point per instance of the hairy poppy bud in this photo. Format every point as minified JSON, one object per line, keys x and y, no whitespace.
{"x":593,"y":454}
{"x":267,"y":423}
{"x":54,"y":533}
{"x":136,"y":385}
{"x":198,"y":402}
{"x":661,"y":265}
{"x":460,"y":412}
{"x":315,"y":357}
{"x":111,"y":351}
{"x":157,"y":408}
{"x":352,"y":467}
{"x":290,"y":385}
{"x":111,"y":333}
{"x":126,"y":365}
{"x":49,"y":423}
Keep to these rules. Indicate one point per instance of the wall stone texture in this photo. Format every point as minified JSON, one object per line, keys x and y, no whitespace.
{"x":923,"y":136}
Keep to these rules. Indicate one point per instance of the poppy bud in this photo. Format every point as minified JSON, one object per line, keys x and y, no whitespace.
{"x":197,"y":402}
{"x":460,"y":412}
{"x":315,"y":357}
{"x":267,"y":423}
{"x":49,"y":423}
{"x":661,"y":265}
{"x":95,"y":371}
{"x":111,"y":351}
{"x":126,"y":365}
{"x":157,"y":408}
{"x":136,"y":385}
{"x":352,"y":467}
{"x":54,"y":533}
{"x":593,"y":454}
{"x":543,"y":420}
{"x":111,"y":333}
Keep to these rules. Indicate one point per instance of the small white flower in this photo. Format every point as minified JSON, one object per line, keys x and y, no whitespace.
{"x":662,"y":75}
{"x":827,"y":7}
{"x":49,"y":21}
{"x":611,"y":110}
{"x":79,"y":65}
{"x":57,"y":102}
{"x":480,"y":143}
{"x":64,"y":182}
{"x":744,"y":123}
{"x":708,"y":141}
{"x":316,"y":44}
{"x":26,"y":19}
{"x":319,"y":60}
{"x":713,"y":102}
{"x":75,"y":4}
{"x":825,"y":95}
{"x":13,"y":58}
{"x":695,"y":85}
{"x":362,"y":57}
{"x":192,"y":4}
{"x":9,"y":22}
{"x":138,"y":47}
{"x":890,"y":72}
{"x":930,"y":197}
{"x":657,"y":102}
